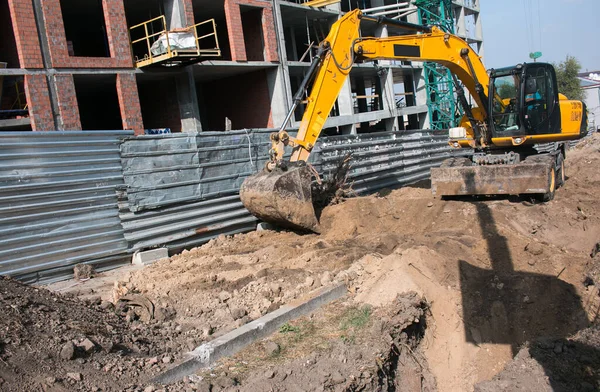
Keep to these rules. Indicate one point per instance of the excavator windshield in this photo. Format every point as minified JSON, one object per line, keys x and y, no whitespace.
{"x":505,"y":107}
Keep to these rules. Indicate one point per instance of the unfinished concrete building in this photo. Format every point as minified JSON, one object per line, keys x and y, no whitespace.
{"x":197,"y":65}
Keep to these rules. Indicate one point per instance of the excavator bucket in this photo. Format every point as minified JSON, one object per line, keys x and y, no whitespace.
{"x":491,"y":180}
{"x":282,"y":197}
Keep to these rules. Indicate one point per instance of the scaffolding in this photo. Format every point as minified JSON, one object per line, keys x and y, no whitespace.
{"x":441,"y":101}
{"x":175,"y":47}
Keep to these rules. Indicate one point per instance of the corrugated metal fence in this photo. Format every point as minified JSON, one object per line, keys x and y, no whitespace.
{"x":58,"y":205}
{"x":387,"y":159}
{"x":182,"y":190}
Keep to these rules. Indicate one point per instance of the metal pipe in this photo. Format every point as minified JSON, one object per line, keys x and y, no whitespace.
{"x":385,"y":7}
{"x":397,"y":23}
{"x":298,"y":97}
{"x":396,"y":11}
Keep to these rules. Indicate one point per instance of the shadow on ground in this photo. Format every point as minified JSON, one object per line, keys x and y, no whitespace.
{"x":504,"y":306}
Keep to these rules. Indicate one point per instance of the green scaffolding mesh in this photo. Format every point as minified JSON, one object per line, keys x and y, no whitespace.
{"x":441,"y":101}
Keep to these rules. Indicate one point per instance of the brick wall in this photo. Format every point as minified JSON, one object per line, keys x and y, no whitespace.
{"x":38,"y":97}
{"x":117,"y":32}
{"x":253,"y":103}
{"x":236,"y":34}
{"x":129,"y":101}
{"x":67,"y":102}
{"x":188,"y":9}
{"x":26,"y":34}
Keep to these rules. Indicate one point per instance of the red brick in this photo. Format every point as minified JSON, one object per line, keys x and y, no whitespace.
{"x":38,"y":98}
{"x":188,"y":9}
{"x":67,"y":102}
{"x":236,"y":35}
{"x":26,"y":34}
{"x":117,"y":32}
{"x":129,"y":101}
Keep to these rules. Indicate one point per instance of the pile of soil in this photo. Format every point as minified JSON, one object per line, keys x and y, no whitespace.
{"x":51,"y":342}
{"x":550,"y":365}
{"x":339,"y":348}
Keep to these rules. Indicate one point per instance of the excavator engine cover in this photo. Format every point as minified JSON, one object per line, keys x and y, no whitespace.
{"x":282,"y":197}
{"x":521,"y":178}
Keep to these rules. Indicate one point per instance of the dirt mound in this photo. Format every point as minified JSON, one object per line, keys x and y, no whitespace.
{"x":548,"y":365}
{"x":379,"y":357}
{"x":52,"y":342}
{"x":342,"y":347}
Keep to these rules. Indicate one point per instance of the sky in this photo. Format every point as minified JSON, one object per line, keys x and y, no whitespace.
{"x":566,"y":27}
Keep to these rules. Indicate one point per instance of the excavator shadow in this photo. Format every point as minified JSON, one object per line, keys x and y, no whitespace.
{"x":505,"y":306}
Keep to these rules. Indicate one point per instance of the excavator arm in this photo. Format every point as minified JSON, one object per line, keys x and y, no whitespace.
{"x":343,"y":47}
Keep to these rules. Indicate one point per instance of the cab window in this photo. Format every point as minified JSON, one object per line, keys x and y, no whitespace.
{"x":505,"y":112}
{"x":538,"y":98}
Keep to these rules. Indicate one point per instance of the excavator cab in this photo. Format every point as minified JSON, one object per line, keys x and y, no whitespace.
{"x":528,"y":103}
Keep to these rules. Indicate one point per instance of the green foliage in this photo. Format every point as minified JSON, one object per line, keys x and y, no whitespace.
{"x":566,"y":75}
{"x":287,"y":327}
{"x":356,"y":318}
{"x":506,"y":91}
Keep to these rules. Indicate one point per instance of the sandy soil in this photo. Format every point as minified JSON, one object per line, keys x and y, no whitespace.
{"x":498,"y":274}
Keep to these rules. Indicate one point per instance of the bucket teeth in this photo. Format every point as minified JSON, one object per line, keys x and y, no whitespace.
{"x":282,"y":197}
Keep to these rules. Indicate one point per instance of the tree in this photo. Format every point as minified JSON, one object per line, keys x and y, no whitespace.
{"x":566,"y":75}
{"x":506,"y":90}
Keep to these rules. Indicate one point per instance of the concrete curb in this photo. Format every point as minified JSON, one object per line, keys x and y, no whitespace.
{"x":232,"y":342}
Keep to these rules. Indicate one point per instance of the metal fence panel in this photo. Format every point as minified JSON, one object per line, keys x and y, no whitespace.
{"x":162,"y":170}
{"x":205,"y":205}
{"x":386,"y":159}
{"x":58,"y":205}
{"x":199,"y":199}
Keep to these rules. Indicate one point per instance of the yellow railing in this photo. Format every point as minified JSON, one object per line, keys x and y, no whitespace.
{"x":172,"y":55}
{"x":320,"y":3}
{"x":20,"y":102}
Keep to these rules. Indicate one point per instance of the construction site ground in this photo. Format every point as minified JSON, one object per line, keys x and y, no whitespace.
{"x":484,"y":294}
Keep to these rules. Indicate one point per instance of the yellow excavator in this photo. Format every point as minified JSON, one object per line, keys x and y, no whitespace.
{"x":516,"y":108}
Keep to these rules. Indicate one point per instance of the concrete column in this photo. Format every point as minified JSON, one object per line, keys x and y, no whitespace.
{"x":461,"y":24}
{"x":174,"y":14}
{"x":387,"y":86}
{"x":417,"y":86}
{"x":344,"y":100}
{"x":293,"y":43}
{"x":479,"y":34}
{"x":276,"y":85}
{"x":346,"y":106}
{"x":280,"y":87}
{"x":188,"y":101}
